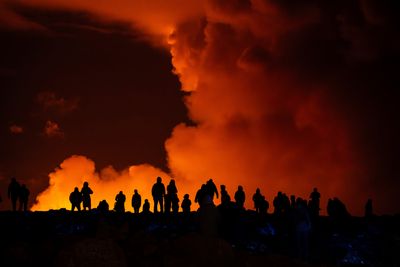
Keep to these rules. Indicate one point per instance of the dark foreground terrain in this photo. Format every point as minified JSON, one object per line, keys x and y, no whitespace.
{"x":63,"y":238}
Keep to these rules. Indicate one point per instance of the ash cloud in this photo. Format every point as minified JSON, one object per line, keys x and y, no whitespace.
{"x":284,"y":95}
{"x":52,"y":129}
{"x":16,"y":129}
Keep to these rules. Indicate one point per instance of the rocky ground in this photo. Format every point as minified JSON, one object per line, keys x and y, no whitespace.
{"x":63,"y":238}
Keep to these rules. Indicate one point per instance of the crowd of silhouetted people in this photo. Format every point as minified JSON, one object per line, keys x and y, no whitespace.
{"x":18,"y":193}
{"x":165,"y":200}
{"x":302,"y":213}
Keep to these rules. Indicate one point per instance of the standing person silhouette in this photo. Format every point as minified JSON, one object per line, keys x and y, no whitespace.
{"x":158,"y":193}
{"x":146,"y":207}
{"x":211,"y":189}
{"x":171,"y":199}
{"x":86,"y":192}
{"x":136,"y":201}
{"x":240,"y":197}
{"x":257,"y":199}
{"x":368,"y":209}
{"x":75,"y":198}
{"x":225,"y":198}
{"x":186,"y":203}
{"x":314,"y":203}
{"x":13,"y":192}
{"x":23,"y":198}
{"x":120,"y":202}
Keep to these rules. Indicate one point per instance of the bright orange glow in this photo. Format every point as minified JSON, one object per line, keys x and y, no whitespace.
{"x":261,"y":119}
{"x":106,"y":184}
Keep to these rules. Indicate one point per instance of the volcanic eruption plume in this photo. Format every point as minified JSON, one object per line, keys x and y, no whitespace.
{"x":278,"y":97}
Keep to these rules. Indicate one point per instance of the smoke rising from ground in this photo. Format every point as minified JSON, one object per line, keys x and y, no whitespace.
{"x":281,"y":94}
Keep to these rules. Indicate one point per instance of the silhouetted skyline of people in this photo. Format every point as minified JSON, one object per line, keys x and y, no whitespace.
{"x":336,"y":209}
{"x":225,"y":198}
{"x":302,"y":228}
{"x":136,"y":201}
{"x":211,"y":189}
{"x":368,"y":209}
{"x":75,"y":198}
{"x":86,"y":191}
{"x":314,"y":203}
{"x":186,"y":203}
{"x":240,"y":197}
{"x":146,"y":207}
{"x":158,"y":192}
{"x":200,"y":195}
{"x":23,"y":198}
{"x":13,"y":192}
{"x":120,"y":202}
{"x":257,"y":199}
{"x":171,"y":197}
{"x":103,"y":206}
{"x":264,"y":206}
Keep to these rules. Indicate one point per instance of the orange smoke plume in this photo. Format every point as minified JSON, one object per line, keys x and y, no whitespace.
{"x":106,"y":184}
{"x":266,"y":79}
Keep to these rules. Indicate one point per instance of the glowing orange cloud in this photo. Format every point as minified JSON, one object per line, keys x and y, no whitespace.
{"x":16,"y":129}
{"x":263,"y":77}
{"x":106,"y":184}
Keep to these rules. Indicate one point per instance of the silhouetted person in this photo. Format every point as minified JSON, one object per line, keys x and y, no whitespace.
{"x":136,"y":201}
{"x":13,"y":192}
{"x":23,"y":198}
{"x":285,"y":203}
{"x":146,"y":207}
{"x":264,"y":206}
{"x":200,"y":195}
{"x":75,"y":198}
{"x":209,"y":218}
{"x":225,"y":198}
{"x":240,"y":197}
{"x":336,"y":209}
{"x":86,"y":192}
{"x":330,"y":207}
{"x":120,"y":202}
{"x":292,"y":202}
{"x":314,"y":202}
{"x":186,"y":203}
{"x":103,"y":206}
{"x":302,"y":224}
{"x":211,"y":189}
{"x":278,"y":204}
{"x":171,"y":198}
{"x":257,"y":199}
{"x":368,"y":208}
{"x":158,"y":192}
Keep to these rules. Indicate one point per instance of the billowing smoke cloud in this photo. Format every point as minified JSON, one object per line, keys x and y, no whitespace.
{"x":51,"y":102}
{"x":274,"y":86}
{"x":16,"y":129}
{"x":52,"y":129}
{"x":281,"y":93}
{"x":106,"y":184}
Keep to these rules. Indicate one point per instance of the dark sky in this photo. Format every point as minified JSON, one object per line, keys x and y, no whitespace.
{"x":113,"y":97}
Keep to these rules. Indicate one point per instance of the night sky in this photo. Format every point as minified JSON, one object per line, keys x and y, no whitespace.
{"x":271,"y":94}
